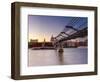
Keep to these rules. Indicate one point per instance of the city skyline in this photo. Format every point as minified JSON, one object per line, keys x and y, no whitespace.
{"x":43,"y":27}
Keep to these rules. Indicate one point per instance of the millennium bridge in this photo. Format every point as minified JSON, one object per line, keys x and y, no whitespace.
{"x":69,"y":32}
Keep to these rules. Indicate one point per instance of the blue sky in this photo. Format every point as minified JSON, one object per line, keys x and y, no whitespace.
{"x":41,"y":27}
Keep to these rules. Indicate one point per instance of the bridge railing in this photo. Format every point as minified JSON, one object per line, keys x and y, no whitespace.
{"x":70,"y":33}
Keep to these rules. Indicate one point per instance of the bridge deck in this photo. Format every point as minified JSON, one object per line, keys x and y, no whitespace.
{"x":80,"y":33}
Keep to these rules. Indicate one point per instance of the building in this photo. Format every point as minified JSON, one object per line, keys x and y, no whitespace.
{"x":34,"y":40}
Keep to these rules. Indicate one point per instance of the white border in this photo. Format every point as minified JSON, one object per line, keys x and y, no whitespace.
{"x":25,"y":70}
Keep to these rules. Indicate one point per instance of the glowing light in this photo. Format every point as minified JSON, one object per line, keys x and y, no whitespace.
{"x":39,"y":37}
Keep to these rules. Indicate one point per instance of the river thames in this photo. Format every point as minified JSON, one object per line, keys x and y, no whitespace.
{"x":70,"y":56}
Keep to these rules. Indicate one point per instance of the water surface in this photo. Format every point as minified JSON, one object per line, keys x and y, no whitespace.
{"x":70,"y":56}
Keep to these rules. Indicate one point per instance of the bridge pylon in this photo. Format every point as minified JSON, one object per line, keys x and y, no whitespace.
{"x":60,"y":48}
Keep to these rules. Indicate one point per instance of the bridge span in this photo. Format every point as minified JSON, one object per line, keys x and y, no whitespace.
{"x":69,"y":33}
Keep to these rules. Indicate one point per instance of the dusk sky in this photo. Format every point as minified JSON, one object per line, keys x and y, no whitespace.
{"x":41,"y":27}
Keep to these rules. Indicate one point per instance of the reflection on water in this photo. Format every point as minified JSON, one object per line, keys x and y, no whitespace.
{"x":60,"y":56}
{"x":70,"y":56}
